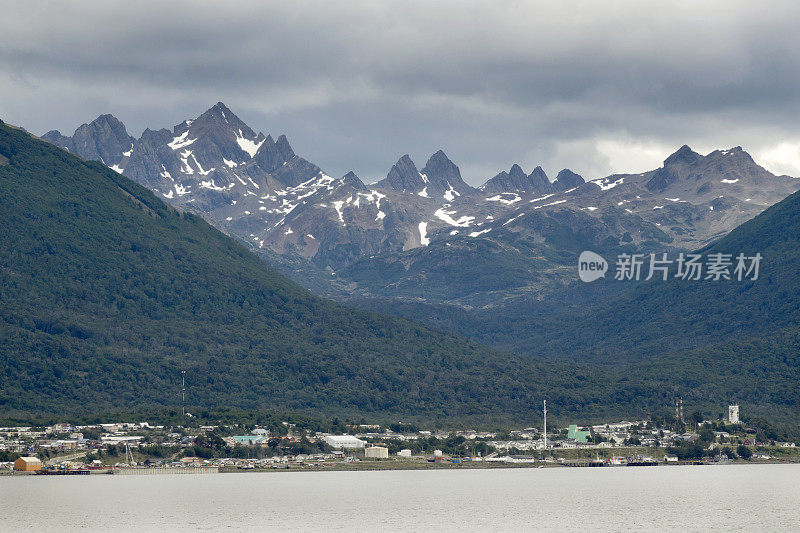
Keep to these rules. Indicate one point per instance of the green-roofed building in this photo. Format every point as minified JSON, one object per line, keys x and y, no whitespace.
{"x":578,"y":436}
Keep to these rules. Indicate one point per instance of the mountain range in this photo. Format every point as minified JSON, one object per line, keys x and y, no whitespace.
{"x":107,"y":293}
{"x":426,"y":234}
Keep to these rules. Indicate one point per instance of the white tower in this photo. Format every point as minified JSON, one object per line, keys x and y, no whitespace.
{"x":183,"y":393}
{"x":544,"y":433}
{"x":733,"y":414}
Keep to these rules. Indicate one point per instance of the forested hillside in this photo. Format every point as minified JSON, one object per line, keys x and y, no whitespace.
{"x":709,"y":342}
{"x":107,"y":294}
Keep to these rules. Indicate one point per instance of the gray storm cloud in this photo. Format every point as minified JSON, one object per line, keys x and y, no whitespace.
{"x":595,"y":86}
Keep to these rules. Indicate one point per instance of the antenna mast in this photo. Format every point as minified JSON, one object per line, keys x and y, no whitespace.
{"x":544,"y":410}
{"x":183,"y":393}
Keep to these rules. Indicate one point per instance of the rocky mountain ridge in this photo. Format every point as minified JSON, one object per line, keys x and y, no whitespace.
{"x":414,"y":223}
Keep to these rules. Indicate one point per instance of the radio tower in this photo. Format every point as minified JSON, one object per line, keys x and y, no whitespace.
{"x":544,"y":410}
{"x":679,"y":410}
{"x":183,"y":393}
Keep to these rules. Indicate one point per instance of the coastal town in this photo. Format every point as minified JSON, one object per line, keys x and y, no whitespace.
{"x":141,"y":447}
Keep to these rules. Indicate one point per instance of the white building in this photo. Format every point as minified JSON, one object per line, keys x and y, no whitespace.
{"x":405,"y":452}
{"x":344,"y":442}
{"x":376,"y":452}
{"x":733,"y":414}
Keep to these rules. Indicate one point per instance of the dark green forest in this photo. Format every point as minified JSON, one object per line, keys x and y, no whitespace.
{"x":705,"y":341}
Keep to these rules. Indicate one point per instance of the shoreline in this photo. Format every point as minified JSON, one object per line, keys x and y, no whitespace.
{"x":395,"y":467}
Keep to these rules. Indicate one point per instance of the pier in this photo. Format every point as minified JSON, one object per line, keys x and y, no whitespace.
{"x":144,"y":471}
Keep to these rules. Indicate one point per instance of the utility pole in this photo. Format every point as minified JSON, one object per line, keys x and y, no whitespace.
{"x":544,"y":410}
{"x":183,"y":393}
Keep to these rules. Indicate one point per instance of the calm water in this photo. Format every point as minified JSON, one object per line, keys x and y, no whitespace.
{"x":698,"y":498}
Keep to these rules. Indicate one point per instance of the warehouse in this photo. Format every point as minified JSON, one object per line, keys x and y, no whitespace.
{"x":347,"y":442}
{"x":27,"y":464}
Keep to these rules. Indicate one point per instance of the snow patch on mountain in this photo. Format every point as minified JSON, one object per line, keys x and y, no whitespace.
{"x":606,"y":184}
{"x":211,"y":185}
{"x":248,"y":146}
{"x":545,"y":197}
{"x":185,"y":167}
{"x":165,"y":174}
{"x":447,"y":216}
{"x":507,"y":198}
{"x":450,"y":194}
{"x":423,"y":230}
{"x":181,"y":141}
{"x":551,"y":203}
{"x":338,"y":207}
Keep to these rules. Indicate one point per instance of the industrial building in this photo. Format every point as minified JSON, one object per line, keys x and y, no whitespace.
{"x":344,"y":442}
{"x":27,"y":464}
{"x":376,"y":452}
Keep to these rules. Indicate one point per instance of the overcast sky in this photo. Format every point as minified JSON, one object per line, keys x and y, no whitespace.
{"x":599,"y":87}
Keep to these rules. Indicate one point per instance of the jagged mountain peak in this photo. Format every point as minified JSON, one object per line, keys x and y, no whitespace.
{"x":222,"y":107}
{"x":219,"y":116}
{"x":404,"y":176}
{"x":735,"y":155}
{"x":104,"y":122}
{"x":282,"y":144}
{"x":444,"y":177}
{"x":405,"y":159}
{"x":515,"y":180}
{"x":567,"y":179}
{"x":104,"y":139}
{"x":684,"y":154}
{"x":352,"y":179}
{"x":539,"y":182}
{"x":713,"y":175}
{"x":539,"y":172}
{"x":439,"y":178}
{"x":439,"y":157}
{"x":439,"y":168}
{"x":106,"y":119}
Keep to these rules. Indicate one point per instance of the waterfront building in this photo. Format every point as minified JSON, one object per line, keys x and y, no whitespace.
{"x":27,"y":464}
